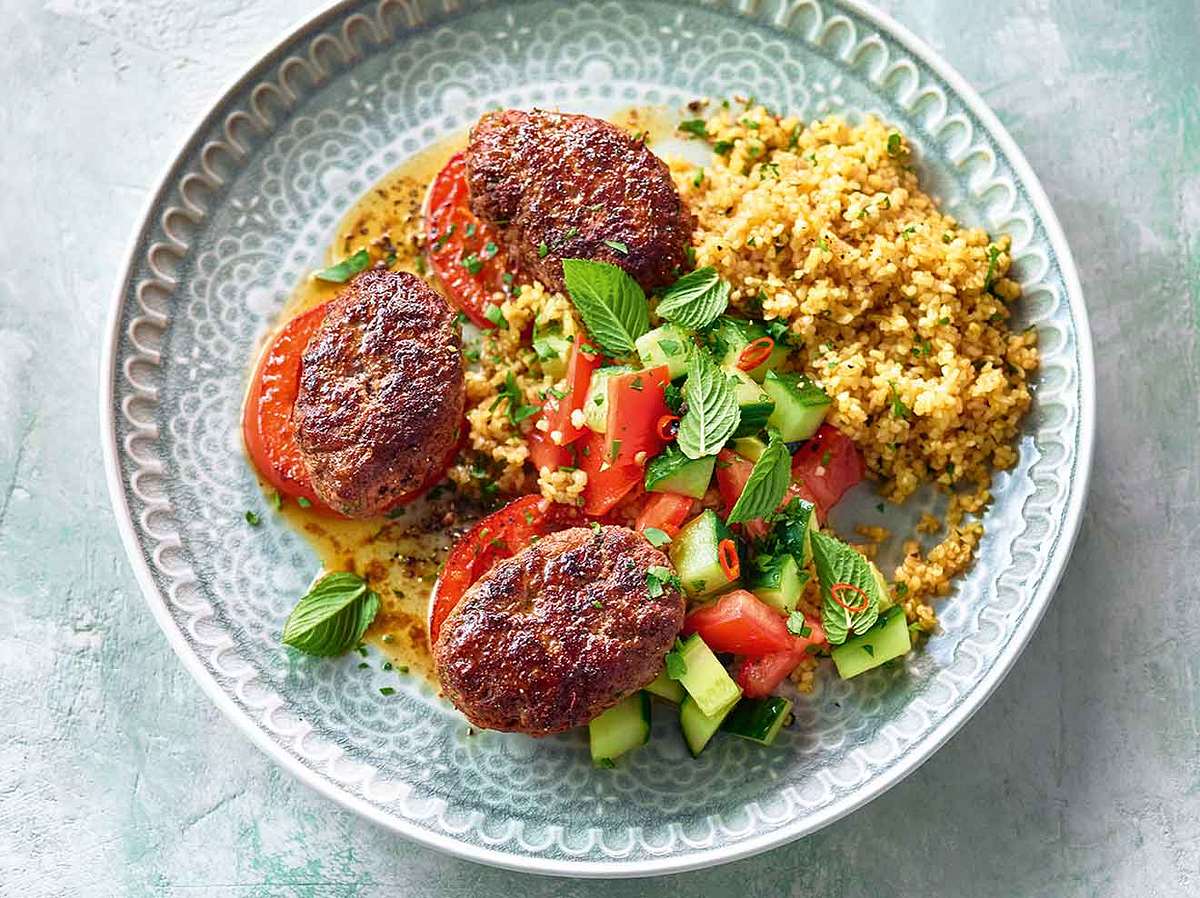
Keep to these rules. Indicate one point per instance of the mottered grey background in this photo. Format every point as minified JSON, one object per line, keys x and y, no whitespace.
{"x":1081,"y":776}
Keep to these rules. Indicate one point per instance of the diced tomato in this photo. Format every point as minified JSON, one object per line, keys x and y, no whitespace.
{"x":741,"y":623}
{"x":732,"y":473}
{"x":761,"y":676}
{"x":545,"y":454}
{"x":267,"y":425}
{"x":607,"y":484}
{"x":499,"y":535}
{"x":666,"y":511}
{"x":636,"y":403}
{"x":464,"y":251}
{"x":825,"y":467}
{"x":585,"y":359}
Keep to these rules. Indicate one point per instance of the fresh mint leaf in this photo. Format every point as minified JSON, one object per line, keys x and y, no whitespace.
{"x":611,"y":303}
{"x":656,"y":537}
{"x":333,"y":616}
{"x":846,"y":578}
{"x":345,"y":269}
{"x":712,"y":409}
{"x":767,"y":484}
{"x":696,"y":300}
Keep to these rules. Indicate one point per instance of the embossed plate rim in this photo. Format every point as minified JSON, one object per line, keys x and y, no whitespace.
{"x":802,"y":825}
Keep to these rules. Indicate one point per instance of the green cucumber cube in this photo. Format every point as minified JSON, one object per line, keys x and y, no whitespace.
{"x":695,"y":554}
{"x":673,"y":472}
{"x":624,"y":726}
{"x":698,"y":727}
{"x":758,"y":719}
{"x":779,"y":581}
{"x":668,"y":345}
{"x":666,"y":688}
{"x":886,"y":640}
{"x":800,"y":405}
{"x":706,"y":680}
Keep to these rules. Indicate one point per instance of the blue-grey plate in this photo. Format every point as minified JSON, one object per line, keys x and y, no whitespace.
{"x":245,"y":211}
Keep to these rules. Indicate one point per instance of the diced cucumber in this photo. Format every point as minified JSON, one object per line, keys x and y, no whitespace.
{"x":698,"y":727}
{"x":706,"y":679}
{"x":553,"y":350}
{"x":668,"y":345}
{"x":622,"y":727}
{"x":694,"y":552}
{"x":749,"y":447}
{"x":800,"y":405}
{"x":664,"y":687}
{"x":756,"y":406}
{"x":735,"y":334}
{"x":758,"y":719}
{"x":595,"y":407}
{"x":779,"y":581}
{"x":673,"y":472}
{"x":886,"y":640}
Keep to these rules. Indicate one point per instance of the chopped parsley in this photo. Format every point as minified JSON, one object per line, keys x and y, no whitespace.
{"x":899,"y":409}
{"x":695,"y":127}
{"x":495,"y":315}
{"x":303,"y":502}
{"x":543,"y":250}
{"x":386,"y":690}
{"x":659,"y":577}
{"x":989,"y":278}
{"x":893,"y":144}
{"x":511,"y":393}
{"x":676,"y":663}
{"x":723,"y":147}
{"x":253,"y":519}
{"x":617,"y":246}
{"x":656,"y":537}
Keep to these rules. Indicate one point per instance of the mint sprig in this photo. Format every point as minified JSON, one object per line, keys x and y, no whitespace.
{"x":345,"y":269}
{"x":767,"y":483}
{"x":611,"y":303}
{"x":839,"y":563}
{"x":333,"y":616}
{"x":696,"y":300}
{"x":712,"y":409}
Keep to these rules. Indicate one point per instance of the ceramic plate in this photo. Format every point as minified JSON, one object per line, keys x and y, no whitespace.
{"x":244,"y":213}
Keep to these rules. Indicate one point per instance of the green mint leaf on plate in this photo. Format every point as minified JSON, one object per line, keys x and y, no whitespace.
{"x":333,"y":616}
{"x":656,"y":537}
{"x":345,"y":269}
{"x":611,"y":303}
{"x":850,"y":593}
{"x":767,"y":484}
{"x":696,"y":300}
{"x":712,"y":409}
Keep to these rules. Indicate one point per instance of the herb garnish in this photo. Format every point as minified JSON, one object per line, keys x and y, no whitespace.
{"x":495,"y":315}
{"x":712,"y":410}
{"x":517,"y":411}
{"x":611,"y":303}
{"x":899,"y":409}
{"x":472,"y":263}
{"x":345,"y":269}
{"x":332,"y":616}
{"x":253,"y":519}
{"x":656,"y":537}
{"x":658,"y":577}
{"x":696,"y":300}
{"x":767,"y":483}
{"x":849,"y":592}
{"x":993,"y":255}
{"x":797,"y":625}
{"x":695,"y":127}
{"x":617,"y":246}
{"x":675,"y":662}
{"x":893,"y":144}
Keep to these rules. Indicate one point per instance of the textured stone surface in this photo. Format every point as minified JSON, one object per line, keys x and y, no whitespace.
{"x":1080,"y":777}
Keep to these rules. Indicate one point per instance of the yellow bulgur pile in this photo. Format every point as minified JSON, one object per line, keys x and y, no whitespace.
{"x":897,"y":312}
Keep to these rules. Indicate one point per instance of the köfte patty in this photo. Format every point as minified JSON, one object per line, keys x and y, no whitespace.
{"x":381,"y":396}
{"x":553,"y":636}
{"x":576,"y":187}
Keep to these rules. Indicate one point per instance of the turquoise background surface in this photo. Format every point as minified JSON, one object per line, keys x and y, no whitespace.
{"x":1080,"y":777}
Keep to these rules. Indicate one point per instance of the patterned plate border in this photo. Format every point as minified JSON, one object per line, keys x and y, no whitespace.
{"x":131,"y":356}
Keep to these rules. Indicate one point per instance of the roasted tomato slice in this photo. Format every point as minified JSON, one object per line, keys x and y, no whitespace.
{"x":501,"y":534}
{"x":825,"y":467}
{"x":267,"y":425}
{"x":464,"y":251}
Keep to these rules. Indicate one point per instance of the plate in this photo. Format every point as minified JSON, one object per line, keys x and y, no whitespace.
{"x":245,"y":211}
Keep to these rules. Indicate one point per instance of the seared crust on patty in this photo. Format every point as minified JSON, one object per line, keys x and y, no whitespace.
{"x":553,"y":636}
{"x":381,"y":393}
{"x":570,"y":187}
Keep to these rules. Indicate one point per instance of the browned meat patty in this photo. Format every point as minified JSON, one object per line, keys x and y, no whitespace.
{"x":569,"y":187}
{"x":381,"y":393}
{"x":556,"y":634}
